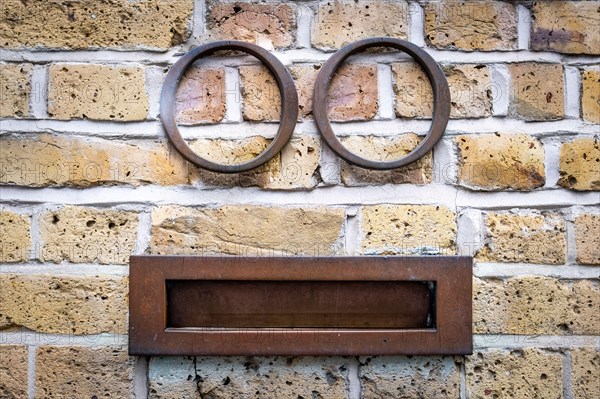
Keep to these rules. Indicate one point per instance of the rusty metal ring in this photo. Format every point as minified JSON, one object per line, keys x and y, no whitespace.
{"x":285,"y":83}
{"x":441,"y":101}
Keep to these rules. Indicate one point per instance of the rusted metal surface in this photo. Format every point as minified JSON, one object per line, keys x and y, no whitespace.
{"x":285,"y":83}
{"x":291,"y":297}
{"x":441,"y":101}
{"x":286,"y":304}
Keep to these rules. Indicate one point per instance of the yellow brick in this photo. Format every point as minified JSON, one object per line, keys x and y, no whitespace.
{"x":295,"y":167}
{"x":590,"y":95}
{"x":272,"y":377}
{"x":98,"y":92}
{"x":341,"y":22}
{"x":16,"y":238}
{"x":470,"y":90}
{"x":566,"y":27}
{"x":352,"y":94}
{"x":261,"y":23}
{"x":587,"y":239}
{"x":532,"y":305}
{"x":537,"y":91}
{"x":585,"y":366}
{"x":526,"y":374}
{"x":385,"y":149}
{"x":201,"y":96}
{"x":410,"y":377}
{"x":408,"y":229}
{"x":472,"y":25}
{"x":580,"y":164}
{"x":15,"y":89}
{"x":83,"y":372}
{"x":154,"y":24}
{"x":65,"y":304}
{"x":81,"y":235}
{"x":247,"y":230}
{"x":13,"y":371}
{"x":62,"y":160}
{"x":500,"y":161}
{"x":533,"y":238}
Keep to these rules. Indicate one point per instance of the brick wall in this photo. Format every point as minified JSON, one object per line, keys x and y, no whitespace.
{"x":88,"y":177}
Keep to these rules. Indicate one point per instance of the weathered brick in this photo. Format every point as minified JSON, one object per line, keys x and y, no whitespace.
{"x":385,"y":149}
{"x":15,"y":89}
{"x":410,"y":377}
{"x":272,"y":377}
{"x":470,"y":91}
{"x":532,"y":238}
{"x":172,"y":378}
{"x":566,"y":27}
{"x":579,"y":165}
{"x":261,"y":23}
{"x":590,"y":95}
{"x":587,"y":239}
{"x":83,"y":372}
{"x":79,"y":234}
{"x":352,"y":94}
{"x":341,"y":22}
{"x":65,"y":304}
{"x":585,"y":374}
{"x":154,"y":24}
{"x":407,"y":229}
{"x":249,"y":230}
{"x":100,"y":92}
{"x":529,"y":373}
{"x":295,"y":167}
{"x":16,"y":238}
{"x":500,"y":162}
{"x":13,"y":371}
{"x":64,"y":160}
{"x":261,"y":100}
{"x":537,"y":91}
{"x":201,"y":96}
{"x":530,"y":305}
{"x":304,"y":78}
{"x":472,"y":25}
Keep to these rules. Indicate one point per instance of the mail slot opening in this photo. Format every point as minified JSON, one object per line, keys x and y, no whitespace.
{"x":300,"y":304}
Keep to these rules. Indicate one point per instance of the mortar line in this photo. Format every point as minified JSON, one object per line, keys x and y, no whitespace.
{"x":233,"y":97}
{"x":555,"y":342}
{"x":551,"y":162}
{"x":38,"y":99}
{"x":304,"y":24}
{"x":36,"y":339}
{"x":463,"y":379}
{"x":508,"y":270}
{"x":198,"y":19}
{"x":354,"y":386}
{"x":523,"y":27}
{"x":351,"y":231}
{"x":500,"y":78}
{"x":31,"y":371}
{"x":572,"y":93}
{"x":416,"y":24}
{"x":140,"y":378}
{"x":234,"y":128}
{"x":169,"y":57}
{"x":567,"y":379}
{"x":385,"y":92}
{"x":571,"y":254}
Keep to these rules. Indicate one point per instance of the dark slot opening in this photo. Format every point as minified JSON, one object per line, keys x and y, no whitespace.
{"x":300,"y":304}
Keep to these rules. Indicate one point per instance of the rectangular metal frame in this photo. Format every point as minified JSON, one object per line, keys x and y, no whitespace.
{"x":149,"y":334}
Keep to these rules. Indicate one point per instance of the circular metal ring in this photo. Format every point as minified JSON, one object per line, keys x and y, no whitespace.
{"x":285,"y":83}
{"x":441,"y":101}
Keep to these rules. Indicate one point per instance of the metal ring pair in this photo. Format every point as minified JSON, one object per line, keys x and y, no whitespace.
{"x":289,"y":99}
